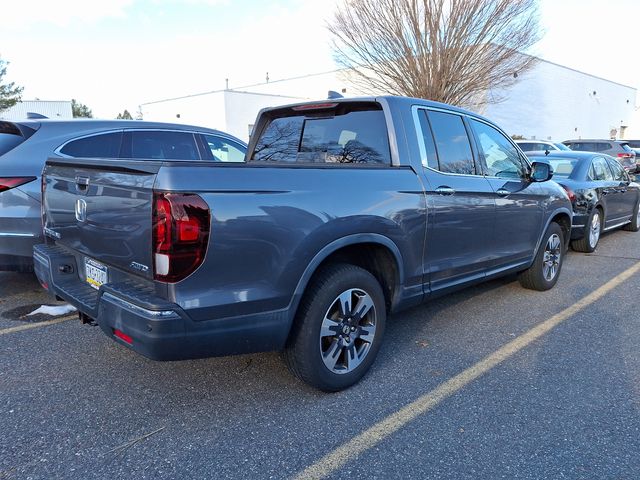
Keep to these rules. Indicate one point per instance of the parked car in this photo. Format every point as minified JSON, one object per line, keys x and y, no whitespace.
{"x":25,"y":146}
{"x":602,"y":194}
{"x":619,"y":149}
{"x":635,"y":146}
{"x":540,"y":145}
{"x":345,"y":210}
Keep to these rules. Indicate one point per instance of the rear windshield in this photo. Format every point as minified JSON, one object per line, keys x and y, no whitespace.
{"x":10,"y":137}
{"x":562,"y":167}
{"x":625,"y":147}
{"x":345,"y":134}
{"x":9,"y":141}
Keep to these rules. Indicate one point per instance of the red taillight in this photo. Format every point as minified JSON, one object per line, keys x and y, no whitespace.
{"x":571,"y":193}
{"x":123,"y":336}
{"x":7,"y":183}
{"x":181,"y":223}
{"x":625,"y":155}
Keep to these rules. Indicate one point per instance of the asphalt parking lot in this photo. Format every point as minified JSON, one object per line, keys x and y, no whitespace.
{"x":492,"y":382}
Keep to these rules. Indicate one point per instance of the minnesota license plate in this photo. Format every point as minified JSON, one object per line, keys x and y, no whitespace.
{"x":95,"y":273}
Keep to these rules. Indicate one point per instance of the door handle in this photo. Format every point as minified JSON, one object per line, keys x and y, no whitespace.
{"x":503,"y":192}
{"x":445,"y":190}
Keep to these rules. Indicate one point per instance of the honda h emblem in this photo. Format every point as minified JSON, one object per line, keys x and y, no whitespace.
{"x":81,"y":210}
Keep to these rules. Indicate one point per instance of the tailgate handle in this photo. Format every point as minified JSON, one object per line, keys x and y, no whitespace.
{"x":82,"y":182}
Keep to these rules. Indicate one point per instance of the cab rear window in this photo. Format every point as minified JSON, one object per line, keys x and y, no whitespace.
{"x":341,"y":134}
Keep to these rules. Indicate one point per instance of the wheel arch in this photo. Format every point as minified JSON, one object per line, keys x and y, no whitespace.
{"x":374,"y":252}
{"x":562,"y":216}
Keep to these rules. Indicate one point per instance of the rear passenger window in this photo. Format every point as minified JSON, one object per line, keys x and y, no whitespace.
{"x":106,"y":145}
{"x":601,"y":170}
{"x":223,"y":150}
{"x":452,"y":143}
{"x":618,"y":172}
{"x":160,"y":145}
{"x":351,"y":134}
{"x":500,"y":157}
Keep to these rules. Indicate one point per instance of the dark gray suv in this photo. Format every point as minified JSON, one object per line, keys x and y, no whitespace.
{"x":25,"y":146}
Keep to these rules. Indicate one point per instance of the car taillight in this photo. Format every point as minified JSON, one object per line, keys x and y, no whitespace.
{"x":181,"y":223}
{"x":7,"y":183}
{"x":625,"y":155}
{"x":571,"y":193}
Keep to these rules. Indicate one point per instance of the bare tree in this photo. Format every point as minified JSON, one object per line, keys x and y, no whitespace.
{"x":452,"y":51}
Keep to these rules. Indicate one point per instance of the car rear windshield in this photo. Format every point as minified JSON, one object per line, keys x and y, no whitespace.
{"x":340,"y":133}
{"x":10,"y":137}
{"x":562,"y":167}
{"x":562,"y":146}
{"x":626,"y":148}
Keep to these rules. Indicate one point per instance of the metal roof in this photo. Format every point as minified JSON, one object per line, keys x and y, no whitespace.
{"x":59,"y":109}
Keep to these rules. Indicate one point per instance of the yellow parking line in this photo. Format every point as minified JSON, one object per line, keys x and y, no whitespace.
{"x":29,"y":326}
{"x":346,"y":452}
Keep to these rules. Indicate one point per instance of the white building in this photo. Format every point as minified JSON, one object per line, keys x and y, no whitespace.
{"x":553,"y":102}
{"x":234,"y":110}
{"x":60,"y":109}
{"x":548,"y":102}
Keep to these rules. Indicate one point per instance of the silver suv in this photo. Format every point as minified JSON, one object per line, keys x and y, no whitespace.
{"x":618,"y":149}
{"x":26,"y":145}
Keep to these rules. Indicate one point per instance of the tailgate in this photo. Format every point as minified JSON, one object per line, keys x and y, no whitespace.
{"x":102,"y":209}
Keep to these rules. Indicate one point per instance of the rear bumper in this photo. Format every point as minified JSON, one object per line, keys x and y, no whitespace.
{"x":159,"y":330}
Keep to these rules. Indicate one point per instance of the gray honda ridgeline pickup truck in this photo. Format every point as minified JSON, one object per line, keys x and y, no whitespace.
{"x":343,"y":211}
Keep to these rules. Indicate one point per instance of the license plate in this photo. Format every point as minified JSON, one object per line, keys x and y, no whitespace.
{"x":95,"y":273}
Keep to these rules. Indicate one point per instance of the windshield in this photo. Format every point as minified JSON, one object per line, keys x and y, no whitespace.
{"x":562,"y":167}
{"x":562,"y":146}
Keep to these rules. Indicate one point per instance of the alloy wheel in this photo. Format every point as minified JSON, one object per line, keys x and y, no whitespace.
{"x":551,"y":258}
{"x":347,"y":331}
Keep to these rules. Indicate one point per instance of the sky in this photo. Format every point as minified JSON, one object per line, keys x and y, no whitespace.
{"x":116,"y":54}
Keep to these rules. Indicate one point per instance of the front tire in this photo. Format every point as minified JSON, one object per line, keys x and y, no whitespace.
{"x":338,"y":329}
{"x":544,"y":272}
{"x":592,"y":232}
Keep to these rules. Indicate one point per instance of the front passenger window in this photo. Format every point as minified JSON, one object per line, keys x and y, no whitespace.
{"x":499,"y":154}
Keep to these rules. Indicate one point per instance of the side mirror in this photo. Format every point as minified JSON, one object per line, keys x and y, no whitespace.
{"x":541,"y":172}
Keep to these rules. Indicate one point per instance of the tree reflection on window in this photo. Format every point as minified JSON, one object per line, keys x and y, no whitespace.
{"x":352,"y":137}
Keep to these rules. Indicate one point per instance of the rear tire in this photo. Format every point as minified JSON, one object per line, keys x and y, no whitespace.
{"x":634,"y":226}
{"x":338,"y":329}
{"x":545,"y":269}
{"x":592,"y":232}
